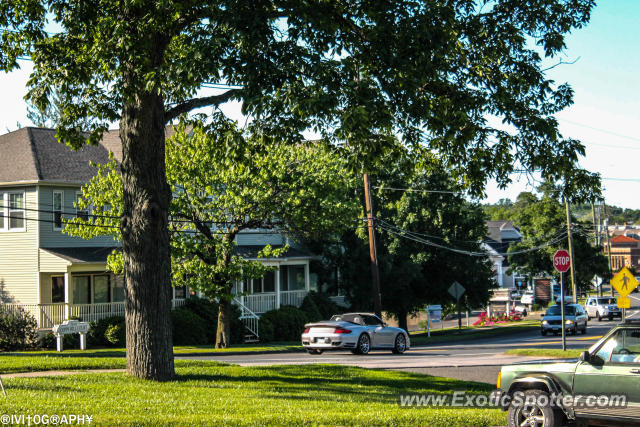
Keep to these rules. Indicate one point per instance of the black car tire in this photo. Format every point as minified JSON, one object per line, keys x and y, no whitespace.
{"x":584,"y":330}
{"x":574,"y":331}
{"x":543,"y":333}
{"x":364,"y":344}
{"x":314,"y":351}
{"x":400,"y":344}
{"x":610,"y":318}
{"x":599,"y":317}
{"x":541,"y":415}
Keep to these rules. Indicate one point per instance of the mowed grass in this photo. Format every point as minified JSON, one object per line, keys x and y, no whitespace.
{"x":545,"y":352}
{"x":107,"y":358}
{"x":209,"y":393}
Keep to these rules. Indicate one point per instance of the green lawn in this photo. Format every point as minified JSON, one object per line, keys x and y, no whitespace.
{"x":207,"y":393}
{"x":544,"y":352}
{"x":473,"y":332}
{"x":106,"y":358}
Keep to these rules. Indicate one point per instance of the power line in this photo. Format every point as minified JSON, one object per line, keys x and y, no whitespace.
{"x":407,"y":235}
{"x":632,"y":138}
{"x":418,"y":190}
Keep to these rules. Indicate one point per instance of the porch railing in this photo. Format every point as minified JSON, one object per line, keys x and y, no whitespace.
{"x":292,"y":298}
{"x":48,"y":315}
{"x":260,"y":303}
{"x":250,"y":320}
{"x":91,"y":312}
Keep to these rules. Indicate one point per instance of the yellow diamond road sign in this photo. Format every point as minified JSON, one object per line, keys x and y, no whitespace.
{"x":624,"y":302}
{"x":624,"y":282}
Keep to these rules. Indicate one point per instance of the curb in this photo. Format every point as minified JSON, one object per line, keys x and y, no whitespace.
{"x":235,"y":353}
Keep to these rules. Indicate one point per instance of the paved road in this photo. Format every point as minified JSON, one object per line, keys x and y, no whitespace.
{"x":477,"y":360}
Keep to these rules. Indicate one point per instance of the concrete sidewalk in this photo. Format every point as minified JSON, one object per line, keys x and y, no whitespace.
{"x":58,"y":373}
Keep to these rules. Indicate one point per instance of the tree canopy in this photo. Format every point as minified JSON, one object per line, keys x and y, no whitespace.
{"x":542,"y":223}
{"x":302,"y":191}
{"x":428,"y":236}
{"x":439,"y":74}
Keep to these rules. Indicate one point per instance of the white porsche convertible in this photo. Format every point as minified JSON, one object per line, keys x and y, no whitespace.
{"x":358,"y":332}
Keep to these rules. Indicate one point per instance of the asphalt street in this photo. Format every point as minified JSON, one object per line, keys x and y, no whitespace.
{"x":476,"y":360}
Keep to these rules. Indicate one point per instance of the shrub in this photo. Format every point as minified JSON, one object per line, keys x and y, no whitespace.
{"x":98,"y":329}
{"x":18,"y":330}
{"x":188,"y":328}
{"x":311,"y":309}
{"x":47,"y":341}
{"x":265,"y":329}
{"x":326,"y":307}
{"x":208,"y":311}
{"x":288,"y":323}
{"x":116,"y":335}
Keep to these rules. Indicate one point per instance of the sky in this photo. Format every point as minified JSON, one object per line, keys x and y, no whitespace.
{"x":605,"y":115}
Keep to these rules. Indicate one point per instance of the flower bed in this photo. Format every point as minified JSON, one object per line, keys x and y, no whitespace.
{"x":484,"y":320}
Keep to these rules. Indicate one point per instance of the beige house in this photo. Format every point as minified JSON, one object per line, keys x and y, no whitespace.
{"x":55,"y":276}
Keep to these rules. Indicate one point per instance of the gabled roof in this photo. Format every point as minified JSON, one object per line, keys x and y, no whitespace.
{"x":77,"y":255}
{"x":502,"y":230}
{"x":34,"y":154}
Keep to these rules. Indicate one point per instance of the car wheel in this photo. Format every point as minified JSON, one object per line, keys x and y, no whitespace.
{"x":610,"y":318}
{"x":543,"y":333}
{"x":531,"y":411}
{"x":313,"y":351}
{"x":584,"y":330}
{"x":599,"y":317}
{"x":364,"y":344}
{"x":574,"y":331}
{"x":400,"y":345}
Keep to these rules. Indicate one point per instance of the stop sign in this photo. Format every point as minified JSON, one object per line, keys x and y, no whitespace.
{"x":562,"y":261}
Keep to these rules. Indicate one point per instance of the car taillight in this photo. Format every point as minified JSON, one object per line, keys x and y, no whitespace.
{"x":306,"y":331}
{"x":342,"y":331}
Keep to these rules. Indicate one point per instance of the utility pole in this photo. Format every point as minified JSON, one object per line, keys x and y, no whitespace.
{"x":373,"y":254}
{"x":595,"y":227}
{"x":573,"y":274}
{"x":606,"y":230}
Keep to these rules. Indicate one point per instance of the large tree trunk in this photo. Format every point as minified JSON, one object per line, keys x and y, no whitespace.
{"x":146,"y":239}
{"x":223,"y":333}
{"x":402,"y":319}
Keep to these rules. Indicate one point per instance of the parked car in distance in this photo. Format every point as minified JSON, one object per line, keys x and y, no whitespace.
{"x":575,"y":319}
{"x":527,"y":298}
{"x":358,"y":332}
{"x":568,"y":299}
{"x":600,"y":307}
{"x":608,"y":368}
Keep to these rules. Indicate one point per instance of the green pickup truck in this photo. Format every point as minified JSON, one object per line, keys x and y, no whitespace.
{"x":601,"y":387}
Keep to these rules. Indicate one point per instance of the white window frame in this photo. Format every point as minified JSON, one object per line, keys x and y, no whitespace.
{"x":53,"y":199}
{"x":8,"y":211}
{"x":4,"y":207}
{"x":88,"y":211}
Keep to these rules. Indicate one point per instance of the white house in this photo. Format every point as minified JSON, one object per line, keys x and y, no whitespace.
{"x":56,"y":276}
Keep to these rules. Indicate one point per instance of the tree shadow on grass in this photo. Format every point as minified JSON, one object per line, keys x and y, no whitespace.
{"x":294,"y":382}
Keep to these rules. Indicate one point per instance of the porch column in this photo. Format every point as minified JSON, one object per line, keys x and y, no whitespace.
{"x":307,"y":278}
{"x":277,"y":287}
{"x":67,"y":294}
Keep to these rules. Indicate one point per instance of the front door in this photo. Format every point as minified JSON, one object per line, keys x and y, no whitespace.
{"x":619,"y":374}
